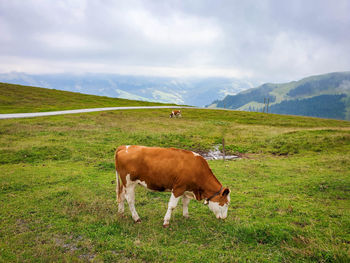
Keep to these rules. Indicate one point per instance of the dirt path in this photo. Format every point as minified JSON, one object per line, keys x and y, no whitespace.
{"x":50,"y":113}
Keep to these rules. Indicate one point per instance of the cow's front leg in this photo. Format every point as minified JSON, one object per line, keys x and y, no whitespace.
{"x":130,"y":198}
{"x":185,"y":202}
{"x":171,"y":206}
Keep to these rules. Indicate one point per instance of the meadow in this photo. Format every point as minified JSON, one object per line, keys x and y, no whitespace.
{"x":290,"y":190}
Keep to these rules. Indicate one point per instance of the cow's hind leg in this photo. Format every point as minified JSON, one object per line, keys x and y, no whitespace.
{"x":171,"y":206}
{"x":185,"y":202}
{"x":120,"y":194}
{"x":121,"y":200}
{"x":130,"y":198}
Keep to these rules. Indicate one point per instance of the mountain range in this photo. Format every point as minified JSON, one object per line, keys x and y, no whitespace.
{"x":325,"y":96}
{"x":189,"y":91}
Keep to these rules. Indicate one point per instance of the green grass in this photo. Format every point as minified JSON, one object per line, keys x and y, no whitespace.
{"x":18,"y":99}
{"x":290,"y":199}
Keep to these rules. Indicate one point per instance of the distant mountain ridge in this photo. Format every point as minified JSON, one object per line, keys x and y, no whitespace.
{"x":190,"y":91}
{"x":326,"y":96}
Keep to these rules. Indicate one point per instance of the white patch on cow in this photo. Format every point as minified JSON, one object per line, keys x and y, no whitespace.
{"x":196,"y":154}
{"x":171,"y":206}
{"x":130,"y":197}
{"x":214,"y":206}
{"x":126,"y":148}
{"x":141,"y":183}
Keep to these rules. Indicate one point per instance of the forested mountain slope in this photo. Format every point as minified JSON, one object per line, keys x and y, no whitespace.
{"x":326,"y":96}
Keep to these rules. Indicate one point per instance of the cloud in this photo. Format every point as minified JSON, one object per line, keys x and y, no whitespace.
{"x":268,"y":40}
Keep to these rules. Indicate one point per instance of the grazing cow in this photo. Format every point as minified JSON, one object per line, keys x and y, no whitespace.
{"x":186,"y":174}
{"x":175,"y":113}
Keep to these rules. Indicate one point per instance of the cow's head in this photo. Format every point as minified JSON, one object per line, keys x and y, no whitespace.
{"x":219,"y":203}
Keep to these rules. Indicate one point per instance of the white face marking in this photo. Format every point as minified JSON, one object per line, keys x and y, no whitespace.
{"x":218,"y":210}
{"x":127,"y":146}
{"x":196,"y":154}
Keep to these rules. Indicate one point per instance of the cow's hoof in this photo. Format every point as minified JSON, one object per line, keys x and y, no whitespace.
{"x":138,"y":221}
{"x":166,"y":225}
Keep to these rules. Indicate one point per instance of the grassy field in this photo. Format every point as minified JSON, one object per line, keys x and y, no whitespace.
{"x":290,"y":199}
{"x":33,"y":99}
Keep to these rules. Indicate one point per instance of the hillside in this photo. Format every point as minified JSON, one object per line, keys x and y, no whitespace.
{"x":326,"y":96}
{"x":190,"y":91}
{"x":18,"y":98}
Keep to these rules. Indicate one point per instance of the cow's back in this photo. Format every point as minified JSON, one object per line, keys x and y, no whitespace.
{"x":159,"y":168}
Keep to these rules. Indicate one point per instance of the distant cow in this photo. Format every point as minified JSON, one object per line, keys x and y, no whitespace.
{"x":186,"y":174}
{"x":175,"y":113}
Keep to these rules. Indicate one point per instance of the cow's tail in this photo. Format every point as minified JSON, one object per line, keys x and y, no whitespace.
{"x":118,"y":188}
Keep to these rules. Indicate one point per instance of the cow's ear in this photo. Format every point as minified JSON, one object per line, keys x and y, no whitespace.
{"x":225,"y":192}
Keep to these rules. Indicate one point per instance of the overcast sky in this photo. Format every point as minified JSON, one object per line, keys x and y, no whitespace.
{"x":273,"y":41}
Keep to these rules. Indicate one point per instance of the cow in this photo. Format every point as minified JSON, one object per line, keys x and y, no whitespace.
{"x":184,"y":173}
{"x":175,"y":113}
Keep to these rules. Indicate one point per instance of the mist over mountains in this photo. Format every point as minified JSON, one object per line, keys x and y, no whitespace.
{"x":326,"y":96}
{"x":189,"y":91}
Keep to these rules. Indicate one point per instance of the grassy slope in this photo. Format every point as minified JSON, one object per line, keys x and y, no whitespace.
{"x":18,"y":98}
{"x":289,"y":201}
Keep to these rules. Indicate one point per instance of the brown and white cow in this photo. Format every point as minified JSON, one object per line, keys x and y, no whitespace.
{"x":186,"y":174}
{"x":175,"y":113}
